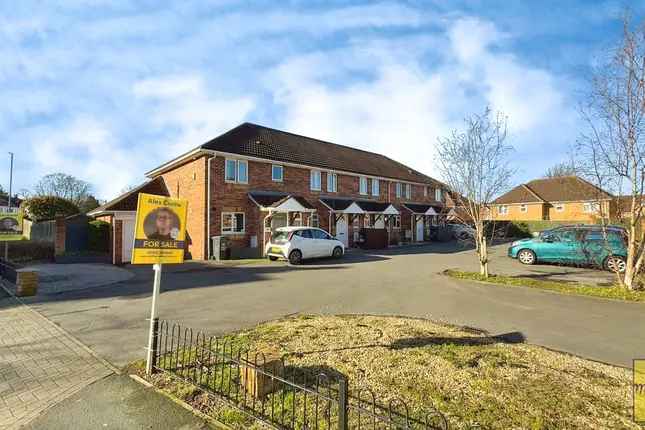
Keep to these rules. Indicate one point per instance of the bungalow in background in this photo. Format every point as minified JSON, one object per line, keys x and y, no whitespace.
{"x":567,"y":198}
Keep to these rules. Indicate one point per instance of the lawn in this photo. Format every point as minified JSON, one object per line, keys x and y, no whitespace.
{"x":469,"y":376}
{"x":613,"y":292}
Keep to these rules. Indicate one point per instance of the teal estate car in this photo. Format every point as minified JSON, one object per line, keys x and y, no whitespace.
{"x":577,"y":245}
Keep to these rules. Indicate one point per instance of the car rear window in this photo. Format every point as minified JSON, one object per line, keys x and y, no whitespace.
{"x":306,"y":234}
{"x":279,"y":236}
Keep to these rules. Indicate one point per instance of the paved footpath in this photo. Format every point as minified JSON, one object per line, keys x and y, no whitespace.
{"x":40,"y":364}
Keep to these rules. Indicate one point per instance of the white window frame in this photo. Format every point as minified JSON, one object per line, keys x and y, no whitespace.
{"x":233,"y":215}
{"x":376,"y":189}
{"x":312,"y":217}
{"x":524,"y":208}
{"x":425,"y":191}
{"x":559,"y":207}
{"x":362,"y":189}
{"x":503,"y":210}
{"x":397,"y":222}
{"x":332,"y":187}
{"x":312,"y":175}
{"x":398,"y":187}
{"x":236,"y":174}
{"x":437,"y":194}
{"x":590,"y":207}
{"x":281,"y":167}
{"x":408,"y":191}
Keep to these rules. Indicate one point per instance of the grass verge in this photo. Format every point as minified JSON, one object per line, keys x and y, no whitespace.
{"x":469,"y":375}
{"x":579,"y":289}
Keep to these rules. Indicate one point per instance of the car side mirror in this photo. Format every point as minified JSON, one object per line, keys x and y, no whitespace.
{"x":547,"y":239}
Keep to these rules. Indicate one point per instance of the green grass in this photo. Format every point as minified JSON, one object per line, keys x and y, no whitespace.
{"x":614,"y":292}
{"x":465,"y":373}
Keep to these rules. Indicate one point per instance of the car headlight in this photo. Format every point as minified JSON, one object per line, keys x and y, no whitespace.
{"x":513,"y":244}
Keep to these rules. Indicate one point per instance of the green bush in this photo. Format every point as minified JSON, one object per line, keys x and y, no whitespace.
{"x":98,"y":236}
{"x":48,"y":207}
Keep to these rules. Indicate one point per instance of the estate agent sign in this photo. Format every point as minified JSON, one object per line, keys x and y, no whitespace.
{"x":10,"y":224}
{"x":160,"y":230}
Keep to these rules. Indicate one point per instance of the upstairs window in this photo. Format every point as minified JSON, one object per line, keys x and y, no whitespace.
{"x":277,"y":173}
{"x":408,"y":191}
{"x":524,"y":208}
{"x":236,"y":171}
{"x":362,"y":185}
{"x":425,"y":191}
{"x":559,"y":207}
{"x":315,"y":180}
{"x":398,"y":190}
{"x":437,"y":194}
{"x":375,"y":187}
{"x":332,"y":182}
{"x":503,"y":210}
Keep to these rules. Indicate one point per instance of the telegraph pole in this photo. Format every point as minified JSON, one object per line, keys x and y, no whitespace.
{"x":6,"y":244}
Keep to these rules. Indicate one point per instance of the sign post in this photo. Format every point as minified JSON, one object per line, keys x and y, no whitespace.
{"x":159,"y":238}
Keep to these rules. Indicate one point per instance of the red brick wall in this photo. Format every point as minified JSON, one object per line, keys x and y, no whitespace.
{"x":229,"y":197}
{"x":188,"y":182}
{"x":59,"y":239}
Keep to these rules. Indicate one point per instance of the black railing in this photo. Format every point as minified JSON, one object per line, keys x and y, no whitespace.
{"x":282,"y":396}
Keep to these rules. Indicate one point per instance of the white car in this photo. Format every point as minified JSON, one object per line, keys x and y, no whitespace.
{"x":300,"y":243}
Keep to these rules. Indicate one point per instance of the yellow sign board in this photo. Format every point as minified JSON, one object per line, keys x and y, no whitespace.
{"x":160,"y":230}
{"x":639,"y":391}
{"x":10,"y":224}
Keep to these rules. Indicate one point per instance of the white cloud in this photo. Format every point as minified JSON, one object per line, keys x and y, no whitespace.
{"x":185,"y":103}
{"x":398,"y":105}
{"x":87,"y":148}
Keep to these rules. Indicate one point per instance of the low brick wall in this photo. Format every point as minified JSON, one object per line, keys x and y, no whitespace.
{"x":26,"y":282}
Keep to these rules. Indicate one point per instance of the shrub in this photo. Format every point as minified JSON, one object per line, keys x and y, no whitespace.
{"x":48,"y":207}
{"x":98,"y":236}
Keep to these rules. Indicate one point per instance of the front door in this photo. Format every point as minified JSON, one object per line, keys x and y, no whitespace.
{"x":341,"y":230}
{"x":419,"y":229}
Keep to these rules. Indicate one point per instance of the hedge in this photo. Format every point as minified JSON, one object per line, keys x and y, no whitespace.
{"x":524,"y":228}
{"x":98,"y":236}
{"x":23,"y":251}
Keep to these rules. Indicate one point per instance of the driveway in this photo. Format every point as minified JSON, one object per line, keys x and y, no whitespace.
{"x":111,"y":320}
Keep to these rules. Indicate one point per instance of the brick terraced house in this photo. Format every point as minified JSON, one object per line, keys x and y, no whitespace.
{"x":253,"y":179}
{"x":567,"y":198}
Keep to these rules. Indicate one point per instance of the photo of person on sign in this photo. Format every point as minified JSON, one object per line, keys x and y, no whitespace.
{"x":9,"y":225}
{"x":161,"y":224}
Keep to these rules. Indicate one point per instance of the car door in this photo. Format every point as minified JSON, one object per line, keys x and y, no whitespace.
{"x":305,"y":242}
{"x":324,"y":244}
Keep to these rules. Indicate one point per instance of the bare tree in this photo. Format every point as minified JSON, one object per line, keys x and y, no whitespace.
{"x":614,"y":145}
{"x":476,"y":165}
{"x":65,"y":186}
{"x":562,"y":169}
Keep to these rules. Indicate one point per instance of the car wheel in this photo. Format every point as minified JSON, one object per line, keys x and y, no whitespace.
{"x":338,"y":252}
{"x":295,"y":257}
{"x":614,"y":263}
{"x":273,"y":258}
{"x":526,"y":256}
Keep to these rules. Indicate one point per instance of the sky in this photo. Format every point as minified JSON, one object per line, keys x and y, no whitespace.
{"x":106,"y":90}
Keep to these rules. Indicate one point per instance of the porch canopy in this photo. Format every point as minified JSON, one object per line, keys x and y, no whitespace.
{"x":340,"y":206}
{"x":281,"y":202}
{"x":421,"y":209}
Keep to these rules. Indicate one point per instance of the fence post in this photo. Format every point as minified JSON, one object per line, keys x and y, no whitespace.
{"x":343,"y":397}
